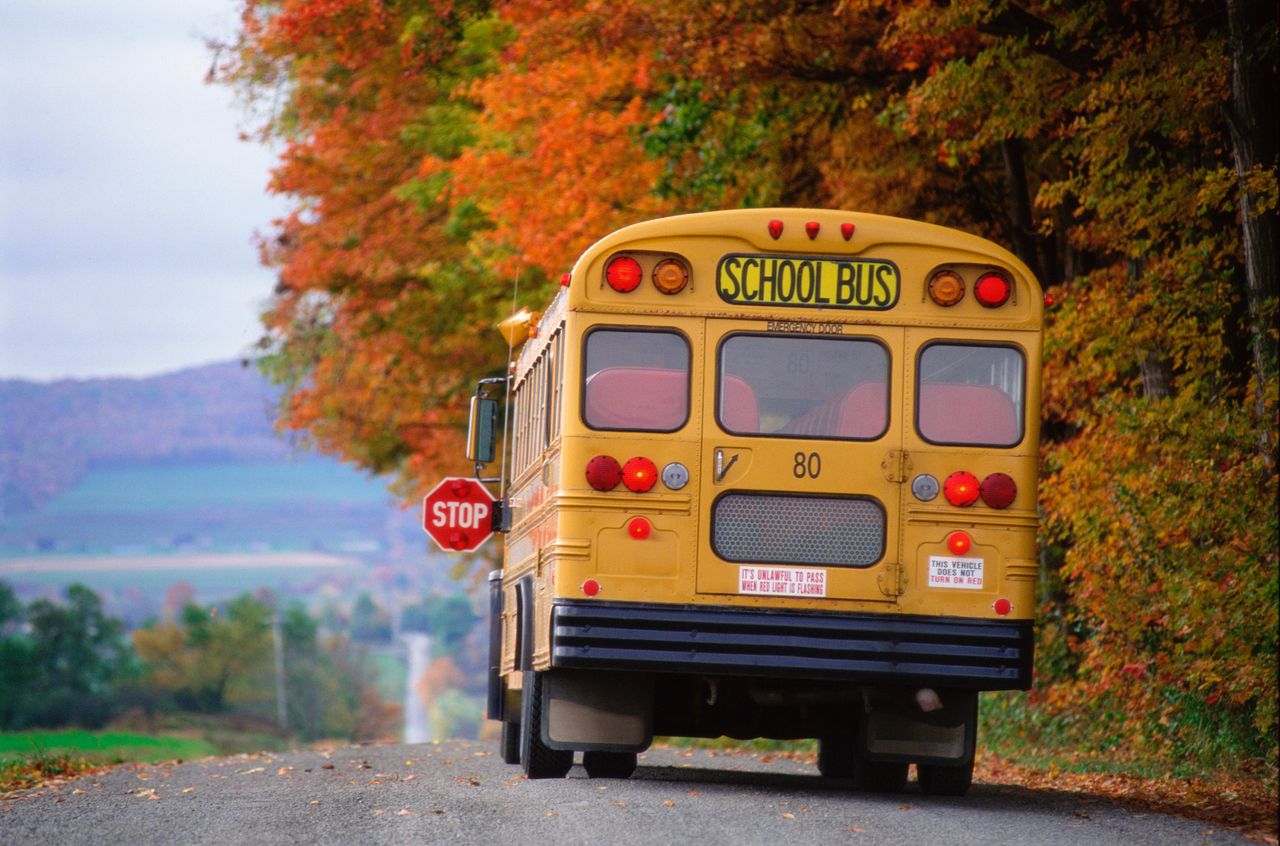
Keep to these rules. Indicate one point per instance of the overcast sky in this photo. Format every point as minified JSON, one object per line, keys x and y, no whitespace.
{"x":127,"y":202}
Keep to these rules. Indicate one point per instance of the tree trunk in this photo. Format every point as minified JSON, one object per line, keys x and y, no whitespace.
{"x":1021,"y":227}
{"x":1251,"y":118}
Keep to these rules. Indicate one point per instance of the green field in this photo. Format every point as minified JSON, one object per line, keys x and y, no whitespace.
{"x":101,"y":746}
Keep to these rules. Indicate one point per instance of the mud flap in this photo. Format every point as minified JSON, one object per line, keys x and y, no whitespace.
{"x":598,"y":710}
{"x":890,"y":732}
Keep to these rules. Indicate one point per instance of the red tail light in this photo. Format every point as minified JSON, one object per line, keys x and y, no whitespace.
{"x":603,"y":473}
{"x":623,"y":274}
{"x":1002,"y":606}
{"x":590,"y":587}
{"x":961,"y":488}
{"x":639,"y":474}
{"x":639,"y":528}
{"x":998,"y":490}
{"x":992,"y":289}
{"x":959,"y":543}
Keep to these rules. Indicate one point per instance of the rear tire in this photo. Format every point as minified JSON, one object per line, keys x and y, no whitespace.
{"x":879,"y":776}
{"x":538,"y":759}
{"x":609,"y":764}
{"x":509,"y":745}
{"x":836,"y":757}
{"x":945,"y":779}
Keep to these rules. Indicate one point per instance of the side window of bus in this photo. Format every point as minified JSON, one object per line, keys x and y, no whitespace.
{"x":803,"y":387}
{"x":970,"y":394}
{"x":636,"y":380}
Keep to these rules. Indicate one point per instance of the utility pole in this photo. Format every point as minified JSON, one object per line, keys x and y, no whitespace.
{"x":277,"y":642}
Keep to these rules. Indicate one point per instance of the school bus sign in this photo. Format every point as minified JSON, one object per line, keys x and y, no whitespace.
{"x":807,"y":281}
{"x":458,"y":514}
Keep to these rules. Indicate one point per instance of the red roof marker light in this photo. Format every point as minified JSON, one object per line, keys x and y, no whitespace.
{"x":992,"y":289}
{"x":775,"y":229}
{"x":623,"y":274}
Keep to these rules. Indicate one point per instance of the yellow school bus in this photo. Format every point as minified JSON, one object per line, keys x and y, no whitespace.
{"x":771,"y":473}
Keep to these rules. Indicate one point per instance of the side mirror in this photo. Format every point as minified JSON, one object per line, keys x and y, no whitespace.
{"x":482,"y":432}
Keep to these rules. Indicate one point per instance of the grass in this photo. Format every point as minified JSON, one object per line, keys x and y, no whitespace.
{"x":29,"y":758}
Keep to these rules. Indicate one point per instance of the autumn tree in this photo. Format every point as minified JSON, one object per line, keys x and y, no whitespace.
{"x":1124,"y":151}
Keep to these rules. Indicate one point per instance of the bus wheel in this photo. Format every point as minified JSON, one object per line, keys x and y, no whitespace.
{"x":510,"y":743}
{"x":945,"y":779}
{"x":609,"y":764}
{"x":835,"y":757}
{"x":538,"y":759}
{"x":879,"y":776}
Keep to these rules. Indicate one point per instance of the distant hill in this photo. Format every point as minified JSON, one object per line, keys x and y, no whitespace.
{"x":52,"y":433}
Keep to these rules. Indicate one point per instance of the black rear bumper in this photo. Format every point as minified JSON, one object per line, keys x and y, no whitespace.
{"x":865,"y":648}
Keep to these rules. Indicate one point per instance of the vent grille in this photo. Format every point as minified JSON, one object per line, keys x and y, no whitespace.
{"x":782,"y":529}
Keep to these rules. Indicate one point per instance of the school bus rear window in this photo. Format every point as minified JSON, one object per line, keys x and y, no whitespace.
{"x":970,"y":394}
{"x":637,"y":380}
{"x":803,"y":387}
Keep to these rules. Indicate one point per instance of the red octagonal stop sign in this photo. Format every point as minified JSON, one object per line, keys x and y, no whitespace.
{"x":458,"y":514}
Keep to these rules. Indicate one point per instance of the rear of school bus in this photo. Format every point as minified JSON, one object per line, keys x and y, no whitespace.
{"x":793,"y":496}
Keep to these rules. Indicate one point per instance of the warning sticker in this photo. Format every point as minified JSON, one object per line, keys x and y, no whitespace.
{"x":947,"y":572}
{"x":782,"y":581}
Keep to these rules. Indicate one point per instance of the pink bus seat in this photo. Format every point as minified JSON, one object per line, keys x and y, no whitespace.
{"x":967,"y":414}
{"x":739,"y":411}
{"x":637,"y":398}
{"x":857,"y":413}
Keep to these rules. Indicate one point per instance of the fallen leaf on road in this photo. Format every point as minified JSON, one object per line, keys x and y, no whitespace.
{"x":618,"y":804}
{"x":695,"y":793}
{"x":435,"y":810}
{"x":403,"y":812}
{"x":252,"y":771}
{"x":447,"y":761}
{"x":314,"y":802}
{"x":669,"y":803}
{"x":552,"y":814}
{"x":409,"y":777}
{"x":408,"y":763}
{"x":326,"y":766}
{"x":378,"y":811}
{"x":365,"y":765}
{"x":855,"y":829}
{"x":904,"y":807}
{"x":284,"y":771}
{"x":787,"y":815}
{"x":188,"y":790}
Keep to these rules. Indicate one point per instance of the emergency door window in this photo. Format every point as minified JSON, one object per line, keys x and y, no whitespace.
{"x":970,"y":395}
{"x":835,"y":388}
{"x":637,"y":380}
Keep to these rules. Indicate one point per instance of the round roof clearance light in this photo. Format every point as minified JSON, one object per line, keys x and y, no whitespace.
{"x":961,"y":489}
{"x":998,"y":490}
{"x":604,"y":473}
{"x":639,"y":474}
{"x":993,"y":289}
{"x":946,"y":288}
{"x":623,"y":274}
{"x":670,"y":276}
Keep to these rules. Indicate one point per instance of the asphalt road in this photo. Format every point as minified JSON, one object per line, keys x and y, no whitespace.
{"x":461,"y":792}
